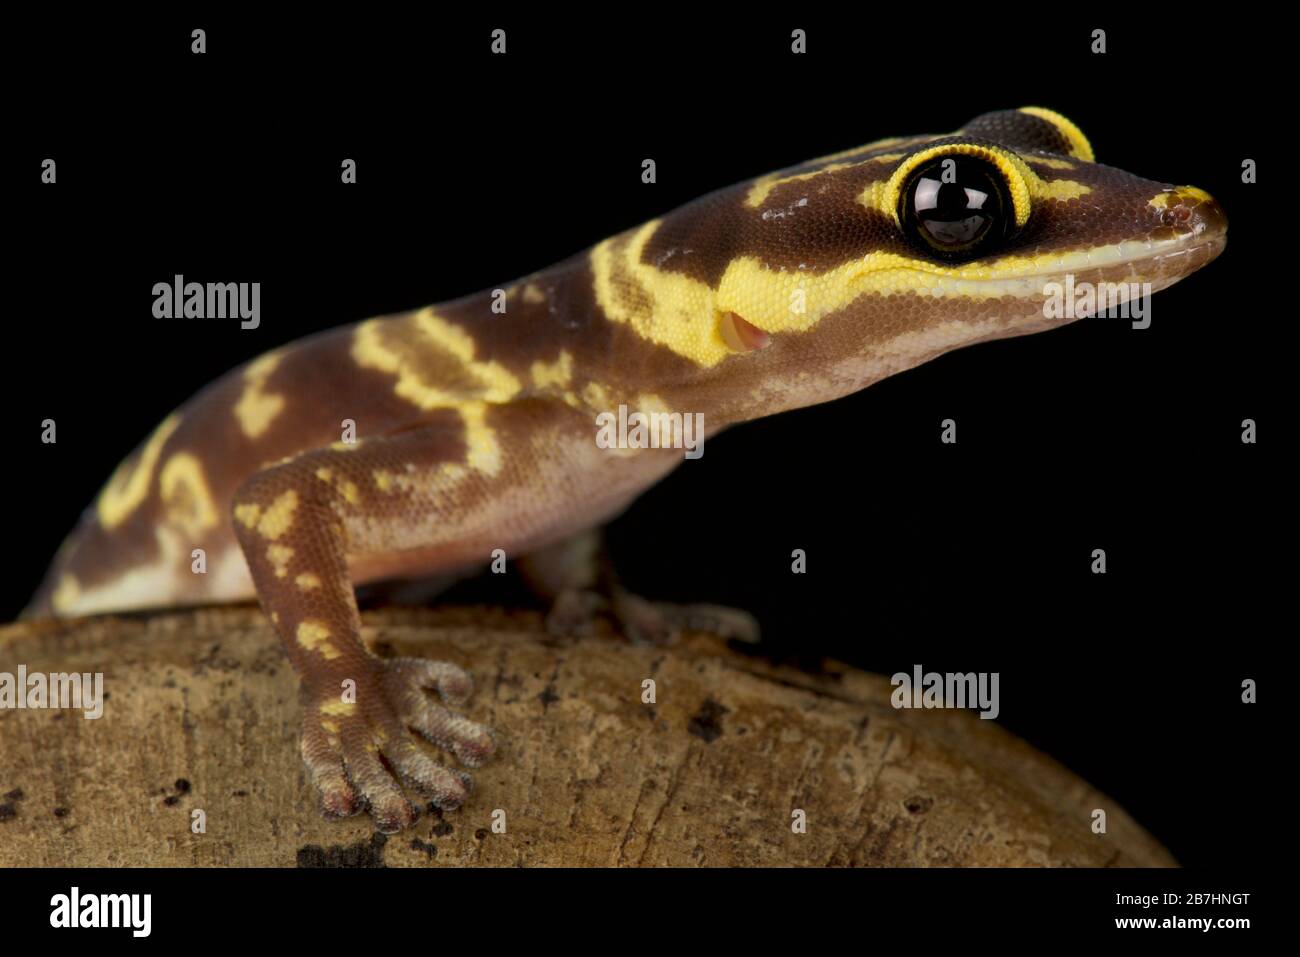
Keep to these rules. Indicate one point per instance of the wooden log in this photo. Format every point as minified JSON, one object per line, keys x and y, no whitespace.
{"x":202,"y":714}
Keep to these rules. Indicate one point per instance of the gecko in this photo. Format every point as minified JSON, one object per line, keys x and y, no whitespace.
{"x":474,"y":421}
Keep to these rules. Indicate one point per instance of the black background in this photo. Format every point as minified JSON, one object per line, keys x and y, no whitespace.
{"x":475,"y":169}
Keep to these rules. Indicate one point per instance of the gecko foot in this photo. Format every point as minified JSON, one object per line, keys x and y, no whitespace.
{"x":360,"y":750}
{"x":644,"y":621}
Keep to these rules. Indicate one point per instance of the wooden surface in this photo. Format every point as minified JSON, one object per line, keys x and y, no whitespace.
{"x":203,"y":713}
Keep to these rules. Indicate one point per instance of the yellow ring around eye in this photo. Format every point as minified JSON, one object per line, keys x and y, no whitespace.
{"x":1080,"y":148}
{"x":1019,"y":178}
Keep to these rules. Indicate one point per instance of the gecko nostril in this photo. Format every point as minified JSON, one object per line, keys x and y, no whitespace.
{"x":1194,"y":211}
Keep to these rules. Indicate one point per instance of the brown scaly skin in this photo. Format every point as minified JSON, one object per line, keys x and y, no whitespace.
{"x":475,"y":427}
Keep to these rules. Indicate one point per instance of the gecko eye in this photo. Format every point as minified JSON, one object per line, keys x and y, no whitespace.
{"x":956,"y":207}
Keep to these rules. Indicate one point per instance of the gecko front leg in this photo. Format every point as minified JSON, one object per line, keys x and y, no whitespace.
{"x":300,"y":525}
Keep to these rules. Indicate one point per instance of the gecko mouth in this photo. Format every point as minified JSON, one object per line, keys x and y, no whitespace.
{"x":1157,"y":262}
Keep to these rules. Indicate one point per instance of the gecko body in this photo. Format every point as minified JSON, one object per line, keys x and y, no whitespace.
{"x":476,"y":426}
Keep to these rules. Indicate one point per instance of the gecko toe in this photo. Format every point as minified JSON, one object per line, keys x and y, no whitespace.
{"x":453,"y":683}
{"x":445,"y":787}
{"x":379,"y":788}
{"x":661,"y":623}
{"x":320,"y":753}
{"x":471,"y":742}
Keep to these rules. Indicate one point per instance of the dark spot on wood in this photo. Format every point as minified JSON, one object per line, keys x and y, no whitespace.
{"x":7,"y":811}
{"x":172,"y":800}
{"x":361,"y":854}
{"x":239,"y":794}
{"x":707,"y":722}
{"x":548,"y":697}
{"x":431,"y":850}
{"x":481,"y":834}
{"x":182,"y":786}
{"x":442,"y":829}
{"x":60,"y":812}
{"x":918,"y":804}
{"x":15,"y":795}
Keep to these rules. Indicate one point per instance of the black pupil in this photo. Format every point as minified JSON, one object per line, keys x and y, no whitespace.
{"x":956,"y":203}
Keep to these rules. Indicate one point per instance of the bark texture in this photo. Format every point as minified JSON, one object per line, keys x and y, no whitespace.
{"x":202,"y":714}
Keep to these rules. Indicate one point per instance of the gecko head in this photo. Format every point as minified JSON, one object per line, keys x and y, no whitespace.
{"x":912,"y":247}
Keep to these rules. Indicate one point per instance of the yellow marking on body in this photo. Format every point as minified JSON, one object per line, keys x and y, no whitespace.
{"x":256,"y":409}
{"x":130,"y":483}
{"x":377,"y":345}
{"x":559,"y":373}
{"x":383,"y":480}
{"x":136,"y":586}
{"x":314,"y":636}
{"x":345,"y":487}
{"x":482,"y":451}
{"x":763,"y":186}
{"x":1060,"y":189}
{"x":533,"y":294}
{"x":338,"y":709}
{"x":343,"y":446}
{"x":1080,"y":148}
{"x":279,"y":556}
{"x":875,"y":145}
{"x":350,"y":492}
{"x":762,"y":295}
{"x":66,"y":594}
{"x":307,"y":581}
{"x":598,"y":397}
{"x":278,"y":517}
{"x":666,"y":308}
{"x":1051,"y":162}
{"x":185,"y":493}
{"x":1180,"y":194}
{"x":248,"y":514}
{"x":275,"y":618}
